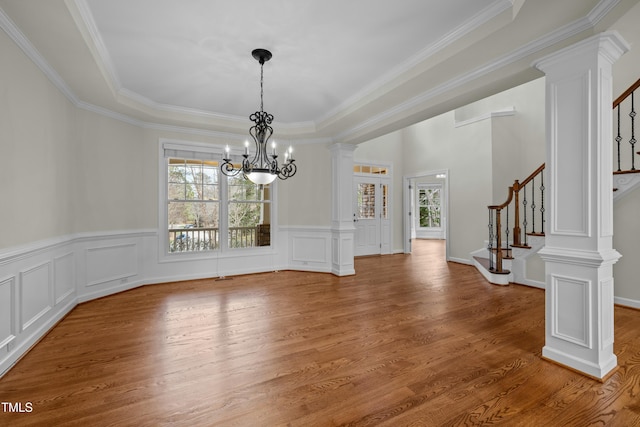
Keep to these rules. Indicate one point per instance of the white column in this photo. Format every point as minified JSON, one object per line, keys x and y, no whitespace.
{"x":578,"y":251}
{"x":342,"y":227}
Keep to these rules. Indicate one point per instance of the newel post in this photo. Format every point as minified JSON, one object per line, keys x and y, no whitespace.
{"x":517,"y":232}
{"x":578,"y":252}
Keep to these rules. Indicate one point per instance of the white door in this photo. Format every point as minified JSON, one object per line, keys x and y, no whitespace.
{"x":371,"y":216}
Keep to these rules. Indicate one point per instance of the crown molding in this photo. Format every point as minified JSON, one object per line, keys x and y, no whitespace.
{"x":34,"y":55}
{"x":531,"y":48}
{"x":81,"y":9}
{"x":495,"y":9}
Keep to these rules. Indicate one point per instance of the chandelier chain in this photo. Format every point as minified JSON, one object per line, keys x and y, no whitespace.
{"x":261,"y":86}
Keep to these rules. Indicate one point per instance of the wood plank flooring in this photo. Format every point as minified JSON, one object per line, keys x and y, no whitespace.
{"x":409,"y":341}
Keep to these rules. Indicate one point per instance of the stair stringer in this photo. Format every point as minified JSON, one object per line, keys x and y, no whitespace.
{"x":496,"y":279}
{"x":517,"y":266}
{"x":519,"y":263}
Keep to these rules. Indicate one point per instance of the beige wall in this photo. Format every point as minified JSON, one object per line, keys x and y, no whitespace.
{"x":466,"y":152}
{"x":36,"y":139}
{"x":305,"y":200}
{"x":626,"y":211}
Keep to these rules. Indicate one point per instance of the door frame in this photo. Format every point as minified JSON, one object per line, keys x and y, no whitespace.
{"x":407,"y":200}
{"x":433,"y":232}
{"x":386,"y":179}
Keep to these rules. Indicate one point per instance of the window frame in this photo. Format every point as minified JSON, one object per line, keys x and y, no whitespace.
{"x":419,"y":206}
{"x":169,"y":148}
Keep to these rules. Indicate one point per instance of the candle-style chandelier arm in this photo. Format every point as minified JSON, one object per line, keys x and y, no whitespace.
{"x":287,"y":170}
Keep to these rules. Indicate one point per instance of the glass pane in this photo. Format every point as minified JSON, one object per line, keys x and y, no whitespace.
{"x":424,"y":217}
{"x":242,"y":189}
{"x":422,"y":198}
{"x":366,"y":201}
{"x":385,"y":201}
{"x":210,"y":175}
{"x":429,"y":203}
{"x":176,"y":192}
{"x":192,"y":192}
{"x":177,"y":173}
{"x":210,"y":192}
{"x":249,"y":225}
{"x":193,"y":226}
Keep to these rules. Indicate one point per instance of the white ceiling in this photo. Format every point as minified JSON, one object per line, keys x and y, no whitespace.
{"x":197,"y":54}
{"x":342,"y":70}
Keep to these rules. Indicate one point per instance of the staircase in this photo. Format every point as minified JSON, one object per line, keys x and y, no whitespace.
{"x":503,"y":259}
{"x":516,"y":232}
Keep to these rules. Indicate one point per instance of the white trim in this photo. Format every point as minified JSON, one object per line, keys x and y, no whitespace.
{"x":493,"y":10}
{"x":557,"y":36}
{"x":505,"y":112}
{"x":223,"y":251}
{"x":627,"y":302}
{"x":461,"y":261}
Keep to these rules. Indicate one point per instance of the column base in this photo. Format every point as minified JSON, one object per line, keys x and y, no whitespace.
{"x":600,"y":372}
{"x":342,"y":247}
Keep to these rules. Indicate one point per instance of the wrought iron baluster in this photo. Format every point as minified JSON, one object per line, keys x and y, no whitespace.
{"x":524,"y":208}
{"x":618,"y":138}
{"x":490,"y":245}
{"x":542,"y":220}
{"x":533,"y":205}
{"x":507,"y":231}
{"x":632,"y":141}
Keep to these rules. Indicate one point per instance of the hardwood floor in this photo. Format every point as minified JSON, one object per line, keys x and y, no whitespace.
{"x":408,"y":341}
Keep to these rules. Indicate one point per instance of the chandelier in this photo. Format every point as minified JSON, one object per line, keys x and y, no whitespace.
{"x":263,"y":168}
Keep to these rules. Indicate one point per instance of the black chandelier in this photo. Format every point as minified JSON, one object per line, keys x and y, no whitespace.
{"x":263,"y":168}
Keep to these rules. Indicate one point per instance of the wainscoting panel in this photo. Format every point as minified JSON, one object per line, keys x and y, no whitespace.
{"x":7,"y":312}
{"x":109,"y":263}
{"x":35,"y":294}
{"x":64,"y":277}
{"x":310,"y":249}
{"x":575,"y":326}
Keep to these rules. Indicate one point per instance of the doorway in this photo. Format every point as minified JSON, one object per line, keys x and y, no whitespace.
{"x":425,"y":207}
{"x":372,"y":216}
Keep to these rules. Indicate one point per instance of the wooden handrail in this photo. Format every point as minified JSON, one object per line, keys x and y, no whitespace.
{"x":533,"y":175}
{"x":504,"y":205}
{"x":626,"y":93}
{"x":514,"y":193}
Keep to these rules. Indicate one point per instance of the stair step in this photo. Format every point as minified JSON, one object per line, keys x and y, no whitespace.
{"x":485,"y":263}
{"x":521,"y":246}
{"x":625,"y":172}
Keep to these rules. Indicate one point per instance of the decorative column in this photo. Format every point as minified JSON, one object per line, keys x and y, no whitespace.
{"x":578,"y":251}
{"x":342,"y":227}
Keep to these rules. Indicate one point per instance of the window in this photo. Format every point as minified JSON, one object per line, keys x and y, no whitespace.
{"x":429,"y":207}
{"x":193,"y":206}
{"x":249,"y":213}
{"x":206,"y":211}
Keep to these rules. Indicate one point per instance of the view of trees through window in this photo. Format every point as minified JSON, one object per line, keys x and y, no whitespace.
{"x":202,"y":204}
{"x":429,"y":206}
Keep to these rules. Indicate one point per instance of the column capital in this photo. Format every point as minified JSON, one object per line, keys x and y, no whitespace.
{"x":609,"y":44}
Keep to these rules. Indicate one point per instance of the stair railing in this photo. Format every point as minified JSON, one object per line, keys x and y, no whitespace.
{"x":626,"y":123}
{"x":532,"y":199}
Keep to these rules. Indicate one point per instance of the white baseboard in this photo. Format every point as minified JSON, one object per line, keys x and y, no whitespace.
{"x":460,"y":260}
{"x":626,"y":302}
